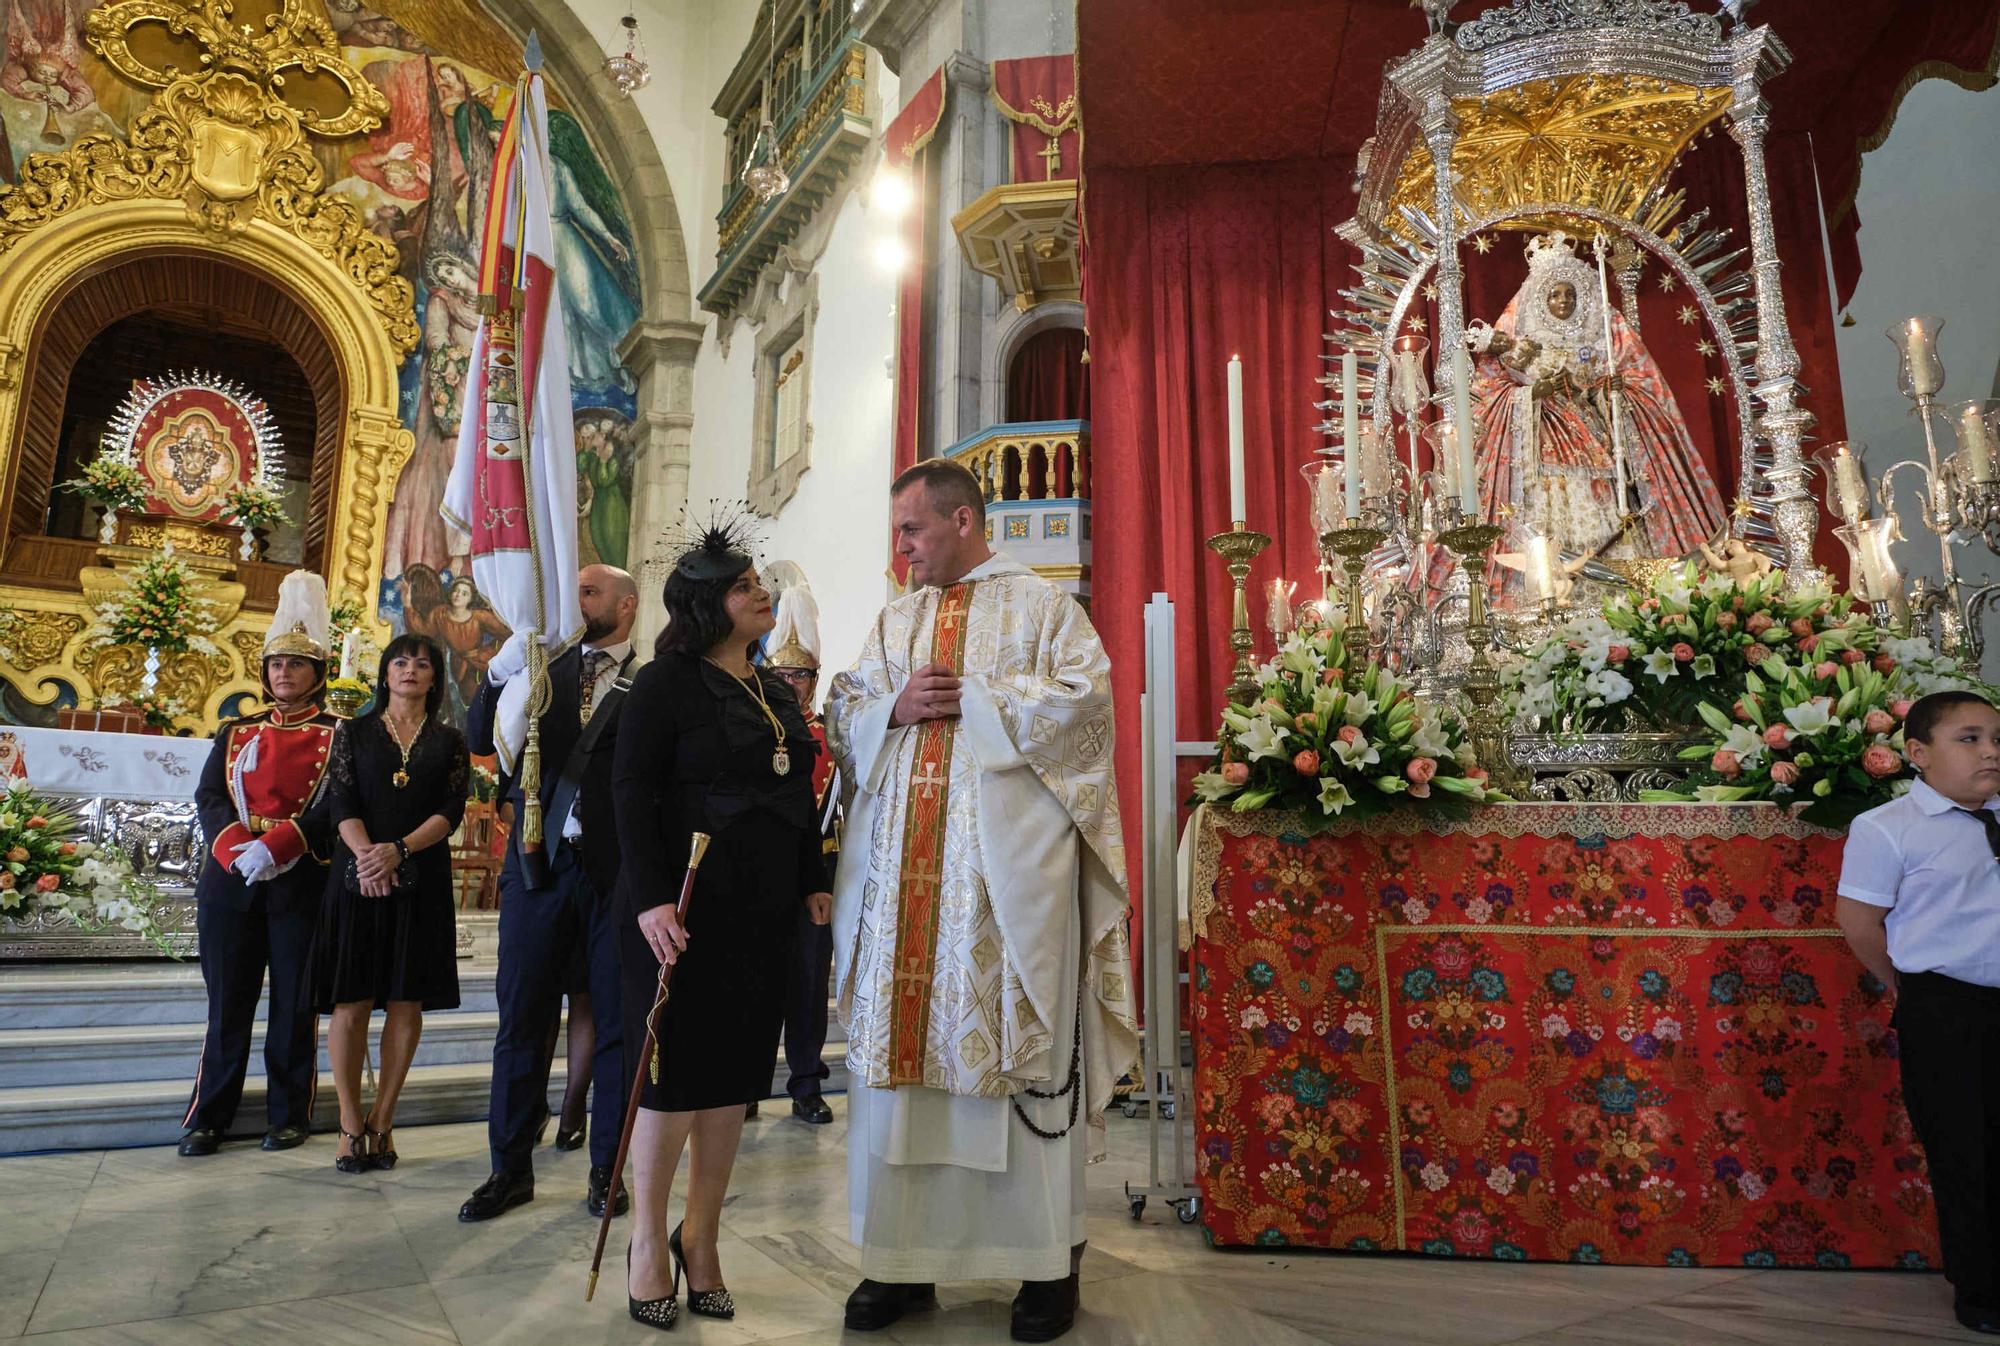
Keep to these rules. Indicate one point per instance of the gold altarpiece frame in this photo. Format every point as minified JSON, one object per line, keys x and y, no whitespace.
{"x":220,"y":163}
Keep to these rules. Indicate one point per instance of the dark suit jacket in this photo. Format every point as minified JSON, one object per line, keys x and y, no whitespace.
{"x":560,"y":732}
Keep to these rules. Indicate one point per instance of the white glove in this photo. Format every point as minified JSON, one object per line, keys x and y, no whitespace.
{"x":511,"y":659}
{"x":255,"y":862}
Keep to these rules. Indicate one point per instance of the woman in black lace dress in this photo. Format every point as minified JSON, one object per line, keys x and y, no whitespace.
{"x":708,"y":743}
{"x":396,"y":785}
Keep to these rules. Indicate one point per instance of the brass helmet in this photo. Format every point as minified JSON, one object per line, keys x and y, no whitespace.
{"x":794,"y":640}
{"x":301,"y":623}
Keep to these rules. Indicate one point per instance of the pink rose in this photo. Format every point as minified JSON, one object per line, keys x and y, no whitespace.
{"x":1725,"y":621}
{"x":1744,"y":705}
{"x":1477,"y":775}
{"x":1421,"y":790}
{"x":1826,"y":668}
{"x":1777,"y":736}
{"x":1649,"y":604}
{"x":1306,"y":763}
{"x":1329,"y":676}
{"x":1307,"y":721}
{"x":6,"y":881}
{"x":1758,"y":623}
{"x":1851,"y":656}
{"x":1807,"y":644}
{"x":1683,"y":652}
{"x":1785,"y":773}
{"x":1618,"y":654}
{"x":1736,"y":602}
{"x":1275,"y":706}
{"x":1726,"y":763}
{"x":1349,"y":733}
{"x":1901,"y":709}
{"x":1802,"y":626}
{"x":48,"y":883}
{"x":1420,"y":770}
{"x":1884,"y":663}
{"x":67,"y":848}
{"x":1236,"y":773}
{"x":1878,"y":722}
{"x":1823,"y":609}
{"x":1881,"y":760}
{"x":36,"y":822}
{"x":1755,"y":654}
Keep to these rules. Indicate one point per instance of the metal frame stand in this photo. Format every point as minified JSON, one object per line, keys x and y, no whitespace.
{"x":1161,"y":968}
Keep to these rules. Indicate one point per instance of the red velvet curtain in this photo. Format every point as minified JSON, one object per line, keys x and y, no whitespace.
{"x":1047,"y":379}
{"x":905,"y":141}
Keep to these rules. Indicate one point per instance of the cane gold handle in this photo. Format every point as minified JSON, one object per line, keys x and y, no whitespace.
{"x":700,"y":849}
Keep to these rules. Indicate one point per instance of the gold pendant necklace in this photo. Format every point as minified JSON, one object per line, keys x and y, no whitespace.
{"x":781,"y":756}
{"x":402,"y":776}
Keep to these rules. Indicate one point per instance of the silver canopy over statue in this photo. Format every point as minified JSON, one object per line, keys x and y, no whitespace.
{"x":1542,"y":401}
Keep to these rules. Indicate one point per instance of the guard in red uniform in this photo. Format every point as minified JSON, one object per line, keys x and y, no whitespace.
{"x":794,"y":656}
{"x":263,"y":879}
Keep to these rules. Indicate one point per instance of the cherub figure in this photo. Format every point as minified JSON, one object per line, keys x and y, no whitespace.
{"x":1737,"y":560}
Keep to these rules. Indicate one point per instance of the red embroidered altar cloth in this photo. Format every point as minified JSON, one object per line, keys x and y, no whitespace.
{"x":1565,"y":1032}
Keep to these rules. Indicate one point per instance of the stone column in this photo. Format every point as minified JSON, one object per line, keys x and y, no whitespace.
{"x":1795,"y":515}
{"x":661,"y":357}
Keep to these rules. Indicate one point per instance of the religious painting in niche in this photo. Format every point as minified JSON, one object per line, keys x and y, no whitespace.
{"x":192,"y":438}
{"x":455,"y":615}
{"x":422,"y":181}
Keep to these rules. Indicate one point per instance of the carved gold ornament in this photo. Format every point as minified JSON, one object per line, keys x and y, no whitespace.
{"x":227,"y":137}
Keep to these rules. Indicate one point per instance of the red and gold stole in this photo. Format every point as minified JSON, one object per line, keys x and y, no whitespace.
{"x":923,"y":858}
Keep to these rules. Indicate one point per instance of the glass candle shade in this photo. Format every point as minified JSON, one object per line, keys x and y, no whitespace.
{"x":1919,"y":373}
{"x":1846,"y":479}
{"x":1442,"y":436}
{"x":1872,"y":572}
{"x":1324,"y":489}
{"x":1973,"y":423}
{"x":1279,"y":615}
{"x":1409,"y":389}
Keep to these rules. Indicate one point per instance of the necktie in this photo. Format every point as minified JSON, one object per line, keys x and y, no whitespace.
{"x":593,"y":667}
{"x":1990,"y":823}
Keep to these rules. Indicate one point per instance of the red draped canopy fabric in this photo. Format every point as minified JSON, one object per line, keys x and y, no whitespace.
{"x":1048,"y":379}
{"x":905,"y":140}
{"x":1037,"y":95}
{"x":1189,"y":265}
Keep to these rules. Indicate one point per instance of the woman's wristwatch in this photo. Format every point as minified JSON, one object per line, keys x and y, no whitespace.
{"x":402,"y":849}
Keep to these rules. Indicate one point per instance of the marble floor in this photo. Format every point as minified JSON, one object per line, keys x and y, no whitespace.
{"x":140,"y":1246}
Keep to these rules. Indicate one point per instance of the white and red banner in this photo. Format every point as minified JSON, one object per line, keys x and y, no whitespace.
{"x":513,"y":482}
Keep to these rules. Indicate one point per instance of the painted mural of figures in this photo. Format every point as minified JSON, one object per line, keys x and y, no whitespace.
{"x":604,"y":468}
{"x":458,"y":618}
{"x":416,"y":533}
{"x":358,"y":26}
{"x":594,"y":266}
{"x":41,"y":67}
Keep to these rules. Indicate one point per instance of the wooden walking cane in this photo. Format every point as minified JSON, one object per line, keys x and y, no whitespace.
{"x":649,"y":1055}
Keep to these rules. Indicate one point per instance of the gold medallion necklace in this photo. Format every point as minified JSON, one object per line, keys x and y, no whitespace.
{"x":402,"y":776}
{"x":781,"y":756}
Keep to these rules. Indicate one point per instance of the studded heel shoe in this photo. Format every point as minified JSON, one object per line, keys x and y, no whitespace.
{"x":356,"y":1158}
{"x":716,"y":1303}
{"x":659,"y":1313}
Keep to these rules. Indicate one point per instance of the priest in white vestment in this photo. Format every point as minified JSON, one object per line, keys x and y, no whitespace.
{"x":980,"y":944}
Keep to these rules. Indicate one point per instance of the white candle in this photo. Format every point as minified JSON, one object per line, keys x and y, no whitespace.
{"x":1541,"y":571}
{"x":1237,"y":511}
{"x":1350,"y":434}
{"x":1445,"y":451}
{"x":1611,"y":388}
{"x":1329,"y":508}
{"x":1849,"y":485}
{"x":350,"y":653}
{"x":1977,"y":442}
{"x":1916,"y":349}
{"x":1461,"y":413}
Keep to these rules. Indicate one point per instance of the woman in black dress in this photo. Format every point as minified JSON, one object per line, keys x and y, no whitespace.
{"x":396,"y":784}
{"x":708,"y":743}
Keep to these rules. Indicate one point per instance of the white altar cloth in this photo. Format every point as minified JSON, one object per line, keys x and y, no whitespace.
{"x":109,"y":766}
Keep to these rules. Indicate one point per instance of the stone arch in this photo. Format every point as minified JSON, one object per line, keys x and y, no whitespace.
{"x":1008,"y":340}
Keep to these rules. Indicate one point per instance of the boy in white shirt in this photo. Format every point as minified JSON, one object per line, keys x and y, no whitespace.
{"x":1920,"y":905}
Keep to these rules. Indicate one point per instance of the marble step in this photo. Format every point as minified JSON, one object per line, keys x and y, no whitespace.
{"x":93,"y":996}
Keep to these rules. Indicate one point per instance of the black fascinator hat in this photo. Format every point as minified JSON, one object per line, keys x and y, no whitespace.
{"x":720,"y":548}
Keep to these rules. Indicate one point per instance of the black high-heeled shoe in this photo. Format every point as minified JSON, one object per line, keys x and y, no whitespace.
{"x":356,"y":1158}
{"x":381,"y":1154}
{"x":716,"y":1303}
{"x":660,"y":1313}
